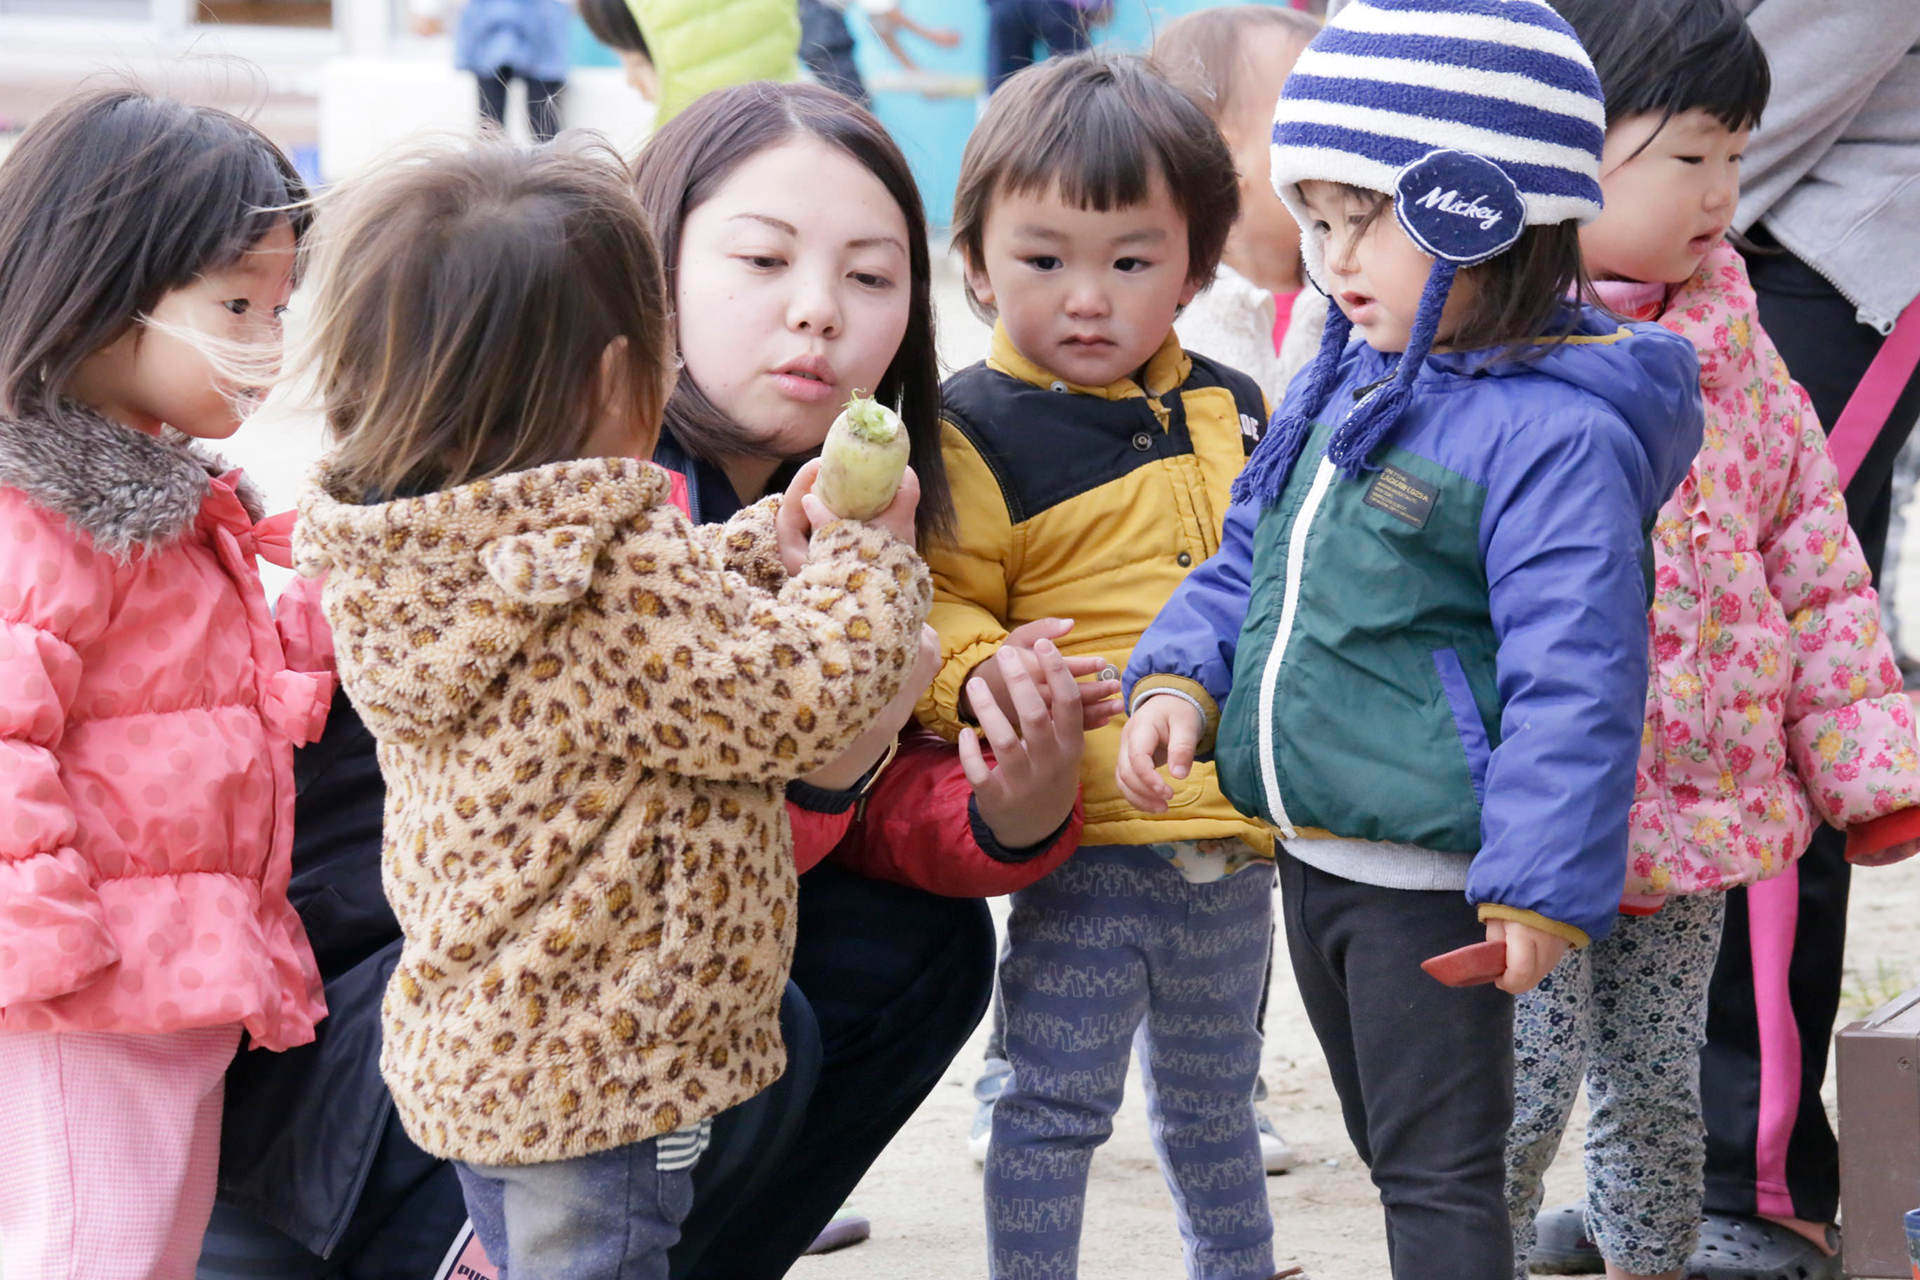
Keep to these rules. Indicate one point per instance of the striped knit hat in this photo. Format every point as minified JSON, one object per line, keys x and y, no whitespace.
{"x":1480,"y":118}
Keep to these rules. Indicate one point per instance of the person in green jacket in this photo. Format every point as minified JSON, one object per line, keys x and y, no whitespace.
{"x":676,"y":50}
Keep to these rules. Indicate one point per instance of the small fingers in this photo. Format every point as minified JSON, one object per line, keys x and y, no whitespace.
{"x":1183,"y":737}
{"x":994,"y":725}
{"x":1027,"y":633}
{"x":973,"y":761}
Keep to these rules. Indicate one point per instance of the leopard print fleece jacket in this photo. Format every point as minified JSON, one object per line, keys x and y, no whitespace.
{"x":587,"y":709}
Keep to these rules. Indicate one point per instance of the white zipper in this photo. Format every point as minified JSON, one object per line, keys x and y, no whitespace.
{"x":1270,"y":679}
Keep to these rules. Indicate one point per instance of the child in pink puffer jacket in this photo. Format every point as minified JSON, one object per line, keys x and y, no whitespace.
{"x":1774,"y":702}
{"x":147,"y":714}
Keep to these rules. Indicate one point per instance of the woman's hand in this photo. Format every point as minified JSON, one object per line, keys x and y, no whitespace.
{"x":1099,"y":699}
{"x":1029,"y":787}
{"x":1163,"y":730}
{"x":865,"y":751}
{"x":801,"y":513}
{"x":1531,"y":952}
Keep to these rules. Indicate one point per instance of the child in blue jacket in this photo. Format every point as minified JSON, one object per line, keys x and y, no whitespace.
{"x":1420,"y":653}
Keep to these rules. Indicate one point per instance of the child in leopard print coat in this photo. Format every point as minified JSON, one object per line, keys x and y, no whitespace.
{"x":586,"y":706}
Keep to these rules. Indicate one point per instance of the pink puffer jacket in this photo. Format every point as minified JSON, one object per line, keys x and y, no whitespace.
{"x":147,"y":718}
{"x":1775,"y":700}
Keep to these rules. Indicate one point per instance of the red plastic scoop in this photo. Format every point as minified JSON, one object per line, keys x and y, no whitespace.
{"x":1468,"y":966}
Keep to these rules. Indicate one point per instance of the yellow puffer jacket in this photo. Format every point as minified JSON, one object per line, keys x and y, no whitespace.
{"x":1090,"y":503}
{"x":698,"y":46}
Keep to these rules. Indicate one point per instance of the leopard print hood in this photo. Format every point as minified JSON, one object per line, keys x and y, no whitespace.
{"x":436,"y":594}
{"x":125,"y":490}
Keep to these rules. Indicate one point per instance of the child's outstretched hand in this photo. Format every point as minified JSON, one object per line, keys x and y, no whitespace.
{"x":1028,"y":789}
{"x":1099,"y":699}
{"x":1531,"y":952}
{"x":1164,"y":730}
{"x":801,"y":513}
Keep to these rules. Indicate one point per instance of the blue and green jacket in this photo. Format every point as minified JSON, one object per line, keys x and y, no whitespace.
{"x":1450,"y":651}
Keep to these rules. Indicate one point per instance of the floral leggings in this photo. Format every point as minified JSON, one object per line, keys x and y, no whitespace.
{"x":1628,"y":1014}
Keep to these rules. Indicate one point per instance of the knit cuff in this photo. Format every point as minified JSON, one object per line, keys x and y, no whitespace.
{"x":990,"y":843}
{"x":1188,"y":691}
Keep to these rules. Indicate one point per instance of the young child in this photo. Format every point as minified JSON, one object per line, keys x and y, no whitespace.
{"x":1429,"y":604}
{"x":1775,"y":700}
{"x":147,"y":715}
{"x":586,"y":707}
{"x":1232,"y":61}
{"x":1090,"y":459}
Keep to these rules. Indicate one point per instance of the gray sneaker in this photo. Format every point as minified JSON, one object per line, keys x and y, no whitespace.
{"x":1275,"y":1155}
{"x":1561,"y":1245}
{"x":992,"y":1082}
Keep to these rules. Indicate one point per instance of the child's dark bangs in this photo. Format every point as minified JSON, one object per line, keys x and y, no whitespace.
{"x":1105,"y":161}
{"x":1668,"y":57}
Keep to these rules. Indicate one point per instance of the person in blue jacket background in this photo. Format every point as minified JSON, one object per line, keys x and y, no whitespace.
{"x":499,"y":41}
{"x":1421,"y":650}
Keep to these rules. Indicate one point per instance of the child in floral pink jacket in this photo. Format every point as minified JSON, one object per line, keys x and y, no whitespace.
{"x":147,"y":711}
{"x":1774,"y":702}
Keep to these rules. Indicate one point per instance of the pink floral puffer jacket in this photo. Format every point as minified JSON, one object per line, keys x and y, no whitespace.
{"x":147,"y":723}
{"x":1775,"y":700}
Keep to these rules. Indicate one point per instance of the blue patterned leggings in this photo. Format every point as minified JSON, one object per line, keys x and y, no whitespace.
{"x":1113,"y":943}
{"x":1629,"y":1014}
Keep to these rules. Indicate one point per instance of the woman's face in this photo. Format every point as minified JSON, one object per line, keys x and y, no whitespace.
{"x":793,"y":291}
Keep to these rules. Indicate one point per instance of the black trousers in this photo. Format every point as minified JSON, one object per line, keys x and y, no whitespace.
{"x":1777,"y":1154}
{"x":543,"y":102}
{"x":1424,"y":1072}
{"x":1018,"y":29}
{"x":826,"y":47}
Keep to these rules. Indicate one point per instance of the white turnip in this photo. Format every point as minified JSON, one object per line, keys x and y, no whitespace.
{"x":863,"y":458}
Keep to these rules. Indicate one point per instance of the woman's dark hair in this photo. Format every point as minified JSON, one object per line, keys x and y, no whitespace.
{"x":612,"y":23}
{"x":466,"y":303}
{"x":1665,"y":57}
{"x":108,"y":203}
{"x":695,"y":153}
{"x":1098,"y":127}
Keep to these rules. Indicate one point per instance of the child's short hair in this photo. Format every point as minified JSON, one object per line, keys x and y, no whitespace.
{"x":1665,"y":57}
{"x":1202,"y":53}
{"x":109,"y":202}
{"x":612,"y":23}
{"x":1098,"y":127}
{"x":465,"y":301}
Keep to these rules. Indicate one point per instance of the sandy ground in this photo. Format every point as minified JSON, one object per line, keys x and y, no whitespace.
{"x":924,"y":1194}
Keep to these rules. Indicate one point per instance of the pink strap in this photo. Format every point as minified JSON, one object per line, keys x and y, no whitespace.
{"x":1871,"y":403}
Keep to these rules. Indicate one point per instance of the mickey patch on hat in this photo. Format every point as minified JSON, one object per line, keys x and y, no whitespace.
{"x":1459,"y":207}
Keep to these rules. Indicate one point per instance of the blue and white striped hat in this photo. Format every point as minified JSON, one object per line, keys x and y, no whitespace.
{"x":1480,"y":118}
{"x":1389,"y":81}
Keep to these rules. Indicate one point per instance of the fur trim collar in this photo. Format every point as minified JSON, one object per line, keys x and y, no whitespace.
{"x":125,"y":490}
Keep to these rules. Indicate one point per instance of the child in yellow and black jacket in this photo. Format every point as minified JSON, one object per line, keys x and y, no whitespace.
{"x":1090,"y":459}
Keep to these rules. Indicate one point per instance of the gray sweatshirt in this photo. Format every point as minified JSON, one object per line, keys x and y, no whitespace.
{"x":1833,"y":171}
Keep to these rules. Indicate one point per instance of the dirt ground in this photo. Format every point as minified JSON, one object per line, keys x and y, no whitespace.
{"x":924,"y":1194}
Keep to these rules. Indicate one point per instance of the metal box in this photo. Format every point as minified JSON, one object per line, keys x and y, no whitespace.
{"x":1878,"y":1060}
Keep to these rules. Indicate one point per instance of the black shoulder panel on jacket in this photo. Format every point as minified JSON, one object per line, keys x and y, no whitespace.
{"x":1047,"y":447}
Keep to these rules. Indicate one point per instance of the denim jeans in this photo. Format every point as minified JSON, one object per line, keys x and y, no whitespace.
{"x":611,"y":1215}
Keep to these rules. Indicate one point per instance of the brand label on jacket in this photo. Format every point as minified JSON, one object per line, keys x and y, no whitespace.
{"x":1401,"y":496}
